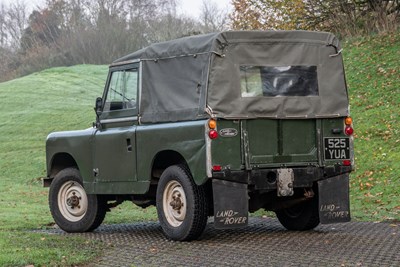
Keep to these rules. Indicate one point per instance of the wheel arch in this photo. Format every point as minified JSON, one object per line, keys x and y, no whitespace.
{"x":164,"y":159}
{"x":59,"y":162}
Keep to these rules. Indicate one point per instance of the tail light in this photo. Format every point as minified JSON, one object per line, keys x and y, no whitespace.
{"x":213,"y":134}
{"x":348,"y":130}
{"x":212,"y":125}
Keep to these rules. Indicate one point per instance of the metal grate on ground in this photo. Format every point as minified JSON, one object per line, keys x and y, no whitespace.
{"x":263,"y":243}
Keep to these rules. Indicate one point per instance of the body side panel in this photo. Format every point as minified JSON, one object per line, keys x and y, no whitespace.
{"x":185,"y":138}
{"x":77,"y":144}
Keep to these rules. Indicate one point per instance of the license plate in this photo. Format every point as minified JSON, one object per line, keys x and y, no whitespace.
{"x":337,"y":148}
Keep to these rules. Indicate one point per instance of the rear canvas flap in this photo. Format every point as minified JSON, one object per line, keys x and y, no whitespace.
{"x":280,"y":63}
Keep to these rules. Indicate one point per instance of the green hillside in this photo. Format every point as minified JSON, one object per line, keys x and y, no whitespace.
{"x":32,"y":107}
{"x":373,"y":76}
{"x":63,"y":99}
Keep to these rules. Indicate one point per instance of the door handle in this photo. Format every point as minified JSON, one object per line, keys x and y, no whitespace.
{"x":128,"y":145}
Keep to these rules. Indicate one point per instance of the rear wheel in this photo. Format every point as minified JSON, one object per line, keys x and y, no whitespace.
{"x":72,"y":209}
{"x":301,"y":217}
{"x":181,"y":204}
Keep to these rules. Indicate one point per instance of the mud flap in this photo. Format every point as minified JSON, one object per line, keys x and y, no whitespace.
{"x":231,"y":204}
{"x":334,"y":203}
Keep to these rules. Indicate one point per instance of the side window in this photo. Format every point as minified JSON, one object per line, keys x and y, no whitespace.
{"x":256,"y":81}
{"x":122,"y":90}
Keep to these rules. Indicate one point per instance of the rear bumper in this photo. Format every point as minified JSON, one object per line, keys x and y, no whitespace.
{"x":265,"y":179}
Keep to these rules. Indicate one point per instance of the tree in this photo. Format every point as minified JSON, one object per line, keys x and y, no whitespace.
{"x":3,"y":27}
{"x":67,"y":32}
{"x":212,"y":17}
{"x":15,"y":21}
{"x":345,"y":17}
{"x":268,"y":14}
{"x":44,"y":29}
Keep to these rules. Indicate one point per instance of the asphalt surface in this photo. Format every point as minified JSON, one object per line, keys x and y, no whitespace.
{"x":263,"y":243}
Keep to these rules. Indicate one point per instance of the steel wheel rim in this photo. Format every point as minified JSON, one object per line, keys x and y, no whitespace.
{"x":72,"y":201}
{"x":174,"y":203}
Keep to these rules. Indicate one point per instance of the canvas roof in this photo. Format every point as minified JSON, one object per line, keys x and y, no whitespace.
{"x":183,"y":79}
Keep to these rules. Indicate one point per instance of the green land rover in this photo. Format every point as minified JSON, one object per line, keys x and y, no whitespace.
{"x":218,"y":125}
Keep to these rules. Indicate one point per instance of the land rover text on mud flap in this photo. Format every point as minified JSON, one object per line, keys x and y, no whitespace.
{"x":219,"y":125}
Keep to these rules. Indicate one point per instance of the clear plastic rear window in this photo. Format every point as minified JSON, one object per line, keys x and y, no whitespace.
{"x":278,"y":81}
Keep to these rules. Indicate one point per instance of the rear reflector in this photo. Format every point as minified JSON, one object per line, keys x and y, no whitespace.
{"x":217,"y":168}
{"x":346,"y":162}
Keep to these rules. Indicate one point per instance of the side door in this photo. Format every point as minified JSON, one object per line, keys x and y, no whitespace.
{"x":114,"y":167}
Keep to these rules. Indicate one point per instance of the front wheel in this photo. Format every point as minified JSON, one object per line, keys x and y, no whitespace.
{"x":301,"y":217}
{"x":72,"y":209}
{"x":181,"y":204}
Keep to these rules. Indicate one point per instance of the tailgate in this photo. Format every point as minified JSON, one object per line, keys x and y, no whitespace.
{"x":281,"y":141}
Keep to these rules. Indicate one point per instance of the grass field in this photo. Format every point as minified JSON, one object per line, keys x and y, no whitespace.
{"x":63,"y":99}
{"x":31,"y":107}
{"x":373,"y":76}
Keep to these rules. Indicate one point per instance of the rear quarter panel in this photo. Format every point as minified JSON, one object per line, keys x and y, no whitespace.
{"x":226,"y":151}
{"x":185,"y":138}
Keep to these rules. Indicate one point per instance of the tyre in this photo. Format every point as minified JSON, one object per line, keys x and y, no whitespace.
{"x":181,"y":205}
{"x":72,"y":209}
{"x":301,"y":217}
